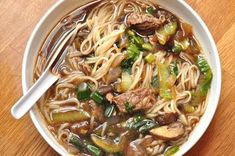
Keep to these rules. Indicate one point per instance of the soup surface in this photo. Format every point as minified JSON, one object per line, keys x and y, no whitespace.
{"x":133,"y":80}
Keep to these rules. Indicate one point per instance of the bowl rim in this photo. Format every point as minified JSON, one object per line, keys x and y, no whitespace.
{"x":34,"y":117}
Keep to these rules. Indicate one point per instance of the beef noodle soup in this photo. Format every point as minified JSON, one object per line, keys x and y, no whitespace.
{"x":133,"y":80}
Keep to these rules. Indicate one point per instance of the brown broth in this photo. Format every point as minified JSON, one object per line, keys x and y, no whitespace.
{"x":66,"y":24}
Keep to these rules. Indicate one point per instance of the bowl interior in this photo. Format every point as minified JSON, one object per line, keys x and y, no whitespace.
{"x":178,"y":7}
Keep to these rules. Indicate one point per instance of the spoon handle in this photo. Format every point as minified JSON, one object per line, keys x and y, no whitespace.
{"x":45,"y":81}
{"x":25,"y":103}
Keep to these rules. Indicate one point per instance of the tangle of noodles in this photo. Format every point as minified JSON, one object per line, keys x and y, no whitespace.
{"x":99,"y":54}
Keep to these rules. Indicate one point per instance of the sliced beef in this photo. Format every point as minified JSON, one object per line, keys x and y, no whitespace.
{"x":144,"y":24}
{"x":139,"y":99}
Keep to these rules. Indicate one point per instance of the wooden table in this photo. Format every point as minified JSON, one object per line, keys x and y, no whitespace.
{"x":17,"y":20}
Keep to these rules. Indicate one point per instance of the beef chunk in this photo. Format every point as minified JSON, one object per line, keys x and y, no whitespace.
{"x":139,"y":99}
{"x":144,"y":24}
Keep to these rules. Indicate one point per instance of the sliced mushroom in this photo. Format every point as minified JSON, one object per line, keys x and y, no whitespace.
{"x":105,"y":89}
{"x":170,"y":132}
{"x":138,"y":147}
{"x":113,"y":75}
{"x":166,"y":119}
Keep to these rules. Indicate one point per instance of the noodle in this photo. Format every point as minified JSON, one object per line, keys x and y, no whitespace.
{"x":111,"y":71}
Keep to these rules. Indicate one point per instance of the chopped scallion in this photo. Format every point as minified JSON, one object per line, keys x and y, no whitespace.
{"x":177,"y":49}
{"x":97,"y":97}
{"x":130,"y":33}
{"x":83,"y":145}
{"x":150,"y":10}
{"x":83,"y":91}
{"x":150,"y":58}
{"x":147,"y":46}
{"x":95,"y":151}
{"x":109,"y":111}
{"x":137,"y":40}
{"x":129,"y":108}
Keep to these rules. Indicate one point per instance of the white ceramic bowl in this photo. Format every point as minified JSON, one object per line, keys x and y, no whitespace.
{"x":178,"y":7}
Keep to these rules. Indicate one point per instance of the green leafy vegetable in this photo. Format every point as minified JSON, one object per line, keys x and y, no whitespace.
{"x":202,"y":64}
{"x":204,"y":82}
{"x":155,"y":82}
{"x":150,"y":10}
{"x":182,"y":45}
{"x":135,"y":45}
{"x":133,"y":51}
{"x":166,"y":31}
{"x":174,"y":68}
{"x":164,"y":83}
{"x":197,"y":97}
{"x":127,"y":64}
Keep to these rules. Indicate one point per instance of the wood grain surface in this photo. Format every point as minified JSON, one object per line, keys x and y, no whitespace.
{"x":19,"y":17}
